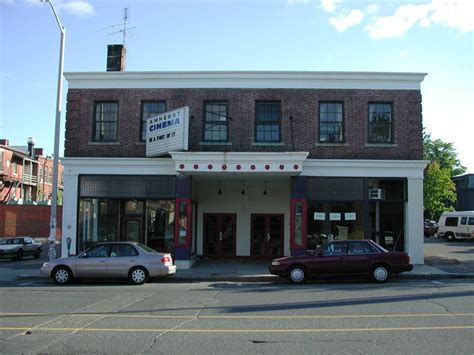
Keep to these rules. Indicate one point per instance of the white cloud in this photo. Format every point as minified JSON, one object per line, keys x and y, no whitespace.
{"x":346,"y":20}
{"x":79,"y":8}
{"x":395,"y":26}
{"x":456,"y":14}
{"x":329,"y":5}
{"x":372,"y":9}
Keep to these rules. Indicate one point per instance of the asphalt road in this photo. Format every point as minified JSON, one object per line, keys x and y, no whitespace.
{"x":404,"y":316}
{"x":457,"y":256}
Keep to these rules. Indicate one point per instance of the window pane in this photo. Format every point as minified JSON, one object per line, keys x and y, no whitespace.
{"x":215,"y":116}
{"x":380,"y":123}
{"x":150,"y":109}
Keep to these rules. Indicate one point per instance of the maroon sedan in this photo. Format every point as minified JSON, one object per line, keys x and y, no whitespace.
{"x":343,"y":257}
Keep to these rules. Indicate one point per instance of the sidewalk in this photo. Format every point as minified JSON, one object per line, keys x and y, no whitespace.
{"x":257,"y":271}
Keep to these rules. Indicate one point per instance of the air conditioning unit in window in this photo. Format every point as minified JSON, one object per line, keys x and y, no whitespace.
{"x":376,"y":194}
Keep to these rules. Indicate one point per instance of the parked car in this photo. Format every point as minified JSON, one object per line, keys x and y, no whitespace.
{"x":343,"y":257}
{"x":430,"y":228}
{"x":18,"y":247}
{"x":456,"y":225}
{"x":111,"y":260}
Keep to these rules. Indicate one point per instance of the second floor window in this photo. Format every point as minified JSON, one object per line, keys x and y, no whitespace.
{"x":105,"y":121}
{"x":267,"y":121}
{"x":331,"y":122}
{"x":150,"y":109}
{"x":380,"y":123}
{"x":215,"y":121}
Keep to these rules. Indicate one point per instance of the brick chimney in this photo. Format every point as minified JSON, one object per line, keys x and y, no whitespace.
{"x":31,"y":146}
{"x":116,"y":57}
{"x":4,"y":142}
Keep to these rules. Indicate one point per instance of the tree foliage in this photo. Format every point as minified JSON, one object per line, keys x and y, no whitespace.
{"x":439,"y":189}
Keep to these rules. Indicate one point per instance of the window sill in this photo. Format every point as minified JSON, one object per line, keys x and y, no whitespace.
{"x":268,"y":144}
{"x":103,"y":143}
{"x":331,"y":144}
{"x":381,"y":145}
{"x":215,"y":143}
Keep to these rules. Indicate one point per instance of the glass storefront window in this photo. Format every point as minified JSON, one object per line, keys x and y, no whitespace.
{"x":334,"y":221}
{"x":160,"y":225}
{"x":298,"y":224}
{"x":183,"y":225}
{"x":98,"y":221}
{"x":133,"y":207}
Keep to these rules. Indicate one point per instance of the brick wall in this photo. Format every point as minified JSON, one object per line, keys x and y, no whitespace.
{"x":27,"y":220}
{"x":302,"y":104}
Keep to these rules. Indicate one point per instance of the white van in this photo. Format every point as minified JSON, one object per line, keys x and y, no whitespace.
{"x":456,"y":225}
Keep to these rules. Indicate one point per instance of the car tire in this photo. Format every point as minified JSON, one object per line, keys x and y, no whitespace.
{"x":380,"y":273}
{"x":450,"y":237}
{"x":19,"y":255}
{"x":62,"y":275}
{"x":138,"y":275}
{"x":297,"y":275}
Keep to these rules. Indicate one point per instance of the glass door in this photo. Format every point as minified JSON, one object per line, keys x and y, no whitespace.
{"x":267,"y":235}
{"x":219,"y":235}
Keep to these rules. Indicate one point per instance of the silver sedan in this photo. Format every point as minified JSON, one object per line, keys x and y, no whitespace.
{"x":134,"y":261}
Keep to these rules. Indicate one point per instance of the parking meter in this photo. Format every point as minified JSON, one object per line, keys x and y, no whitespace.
{"x":68,"y":245}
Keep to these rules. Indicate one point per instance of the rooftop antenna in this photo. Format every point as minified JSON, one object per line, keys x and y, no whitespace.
{"x":124,"y":29}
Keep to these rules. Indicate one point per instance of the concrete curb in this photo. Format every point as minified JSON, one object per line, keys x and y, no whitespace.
{"x":271,"y":278}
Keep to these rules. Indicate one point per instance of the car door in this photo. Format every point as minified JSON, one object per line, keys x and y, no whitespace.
{"x":329,"y":260}
{"x":358,"y":257}
{"x":28,"y":246}
{"x":122,"y":258}
{"x":93,"y":263}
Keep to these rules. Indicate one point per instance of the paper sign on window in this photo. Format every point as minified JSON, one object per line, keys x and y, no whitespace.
{"x":350,"y":216}
{"x":334,"y":216}
{"x":319,"y":216}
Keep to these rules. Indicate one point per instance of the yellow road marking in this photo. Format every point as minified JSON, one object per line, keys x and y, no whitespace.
{"x":310,"y":330}
{"x":348,"y":316}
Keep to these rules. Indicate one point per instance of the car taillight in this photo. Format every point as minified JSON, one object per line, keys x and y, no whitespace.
{"x":165,"y":259}
{"x":407,"y":258}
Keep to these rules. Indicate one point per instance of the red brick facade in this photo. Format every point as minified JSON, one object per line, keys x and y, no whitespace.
{"x":302,"y":104}
{"x":26,"y":220}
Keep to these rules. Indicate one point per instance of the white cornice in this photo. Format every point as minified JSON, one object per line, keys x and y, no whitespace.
{"x":245,"y":80}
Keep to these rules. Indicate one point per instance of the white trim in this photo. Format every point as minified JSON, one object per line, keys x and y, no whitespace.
{"x":245,"y":79}
{"x":119,"y":166}
{"x":412,"y":169}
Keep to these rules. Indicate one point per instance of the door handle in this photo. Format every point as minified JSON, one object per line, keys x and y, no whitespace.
{"x":220,"y":236}
{"x":268,"y":236}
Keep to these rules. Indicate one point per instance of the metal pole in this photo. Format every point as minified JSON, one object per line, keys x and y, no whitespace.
{"x":54,"y":198}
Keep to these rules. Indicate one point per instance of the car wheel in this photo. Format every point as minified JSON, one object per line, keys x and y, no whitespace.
{"x":138,"y":275}
{"x":62,"y":275}
{"x":297,"y":275}
{"x":19,"y":255}
{"x":450,"y":237}
{"x":380,"y":273}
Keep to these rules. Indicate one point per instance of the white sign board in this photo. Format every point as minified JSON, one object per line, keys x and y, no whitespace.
{"x":319,"y":216}
{"x":167,"y":132}
{"x":334,"y":216}
{"x":350,"y":216}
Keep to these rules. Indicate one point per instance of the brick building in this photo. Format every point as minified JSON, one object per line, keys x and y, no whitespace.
{"x":25,"y":174}
{"x":274,"y":162}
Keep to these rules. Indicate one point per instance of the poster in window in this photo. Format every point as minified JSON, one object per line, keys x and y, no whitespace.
{"x":334,"y":216}
{"x":350,"y":216}
{"x":319,"y":216}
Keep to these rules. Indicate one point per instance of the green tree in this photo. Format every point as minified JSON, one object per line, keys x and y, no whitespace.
{"x":443,"y":153}
{"x":439,"y":189}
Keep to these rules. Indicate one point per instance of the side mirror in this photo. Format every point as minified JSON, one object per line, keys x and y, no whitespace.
{"x":83,"y":255}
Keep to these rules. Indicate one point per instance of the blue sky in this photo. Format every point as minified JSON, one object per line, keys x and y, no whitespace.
{"x":432,"y":36}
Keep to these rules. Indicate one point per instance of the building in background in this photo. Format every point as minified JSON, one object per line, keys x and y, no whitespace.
{"x":244,"y":165}
{"x":464,"y":192}
{"x":26,"y":174}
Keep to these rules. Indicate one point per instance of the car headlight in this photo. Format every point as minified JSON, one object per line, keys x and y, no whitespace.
{"x":275,"y":263}
{"x":46,"y":265}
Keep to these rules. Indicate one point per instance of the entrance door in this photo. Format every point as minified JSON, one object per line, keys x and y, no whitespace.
{"x":132,"y":231}
{"x":267,"y":235}
{"x":219,"y":235}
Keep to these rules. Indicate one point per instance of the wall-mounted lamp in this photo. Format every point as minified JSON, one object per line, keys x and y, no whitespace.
{"x":220,"y":190}
{"x":243,"y":189}
{"x":265,"y":191}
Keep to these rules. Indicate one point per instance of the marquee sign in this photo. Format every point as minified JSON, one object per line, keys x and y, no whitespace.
{"x":167,"y":132}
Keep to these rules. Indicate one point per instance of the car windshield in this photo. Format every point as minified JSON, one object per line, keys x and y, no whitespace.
{"x":14,"y":241}
{"x":3,"y":242}
{"x":147,"y":249}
